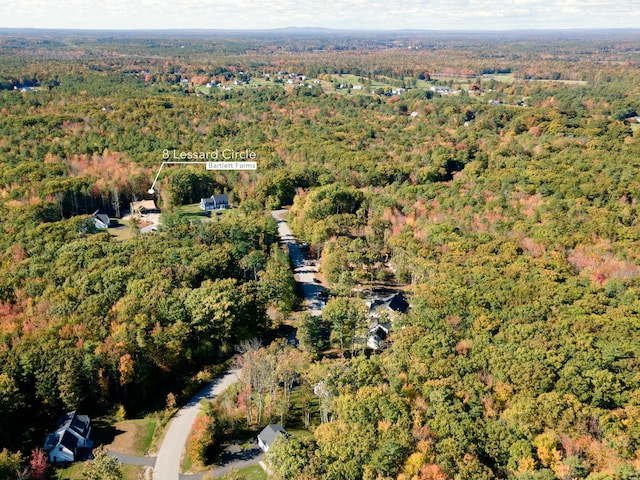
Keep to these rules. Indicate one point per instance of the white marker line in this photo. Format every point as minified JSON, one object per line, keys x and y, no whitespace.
{"x":151,"y":190}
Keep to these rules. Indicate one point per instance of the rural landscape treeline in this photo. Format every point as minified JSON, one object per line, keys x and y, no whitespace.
{"x":494,"y":179}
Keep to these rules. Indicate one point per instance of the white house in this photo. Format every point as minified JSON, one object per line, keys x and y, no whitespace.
{"x":268,"y":435}
{"x":215,"y":202}
{"x":383,"y":310}
{"x":100,"y":220}
{"x":72,"y":434}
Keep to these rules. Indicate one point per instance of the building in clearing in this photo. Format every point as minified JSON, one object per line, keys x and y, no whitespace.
{"x":100,"y":220}
{"x":383,"y":310}
{"x":143,"y":207}
{"x":269,"y":434}
{"x":215,"y":202}
{"x":71,"y":434}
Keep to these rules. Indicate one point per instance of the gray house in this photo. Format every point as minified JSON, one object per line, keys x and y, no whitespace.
{"x":100,"y":220}
{"x":392,"y":305}
{"x":383,"y":310}
{"x":377,"y":337}
{"x":268,"y":436}
{"x":215,"y":202}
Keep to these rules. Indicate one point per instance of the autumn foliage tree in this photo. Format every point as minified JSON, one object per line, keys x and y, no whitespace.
{"x":205,"y":434}
{"x":38,"y":465}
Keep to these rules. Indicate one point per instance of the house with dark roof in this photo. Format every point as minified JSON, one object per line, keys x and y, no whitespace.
{"x":377,"y":337}
{"x":269,"y":434}
{"x":383,"y":310}
{"x":72,"y":434}
{"x":215,"y":202}
{"x":392,"y":304}
{"x":100,"y":220}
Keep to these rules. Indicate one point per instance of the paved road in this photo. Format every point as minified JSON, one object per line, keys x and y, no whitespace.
{"x":169,"y":456}
{"x":133,"y":459}
{"x":167,"y":464}
{"x":236,"y":458}
{"x":304,"y":272}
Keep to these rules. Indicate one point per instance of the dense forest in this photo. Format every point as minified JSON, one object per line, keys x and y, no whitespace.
{"x":491,"y":178}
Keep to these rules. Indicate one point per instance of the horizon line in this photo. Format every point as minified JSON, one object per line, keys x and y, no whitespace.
{"x":321,"y":29}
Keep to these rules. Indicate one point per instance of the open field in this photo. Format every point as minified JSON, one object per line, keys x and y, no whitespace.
{"x":499,"y":77}
{"x":254,"y":472}
{"x":193,"y":212}
{"x":121,"y":233}
{"x":75,"y":472}
{"x":133,"y":437}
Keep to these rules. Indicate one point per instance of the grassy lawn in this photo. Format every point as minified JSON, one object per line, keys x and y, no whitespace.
{"x":188,"y":463}
{"x":133,"y":437}
{"x":193,"y":211}
{"x":254,"y":472}
{"x":499,"y":77}
{"x":121,"y":234}
{"x":348,"y":78}
{"x":120,"y":230}
{"x":300,"y":434}
{"x":142,"y":432}
{"x":74,"y":472}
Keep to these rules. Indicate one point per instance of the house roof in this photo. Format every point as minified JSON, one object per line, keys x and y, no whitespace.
{"x":69,"y":441}
{"x":80,"y":424}
{"x":102,"y":219}
{"x":143,"y":204}
{"x":50,"y":441}
{"x":218,"y":198}
{"x":396,"y":302}
{"x":379,"y":331}
{"x":70,"y":429}
{"x":270,"y":432}
{"x":399,"y":303}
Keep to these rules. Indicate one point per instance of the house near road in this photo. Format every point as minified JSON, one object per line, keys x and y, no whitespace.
{"x":71,"y":435}
{"x":215,"y":202}
{"x":269,"y":434}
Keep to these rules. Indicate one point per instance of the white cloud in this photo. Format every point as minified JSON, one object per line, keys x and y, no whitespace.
{"x":355,"y":14}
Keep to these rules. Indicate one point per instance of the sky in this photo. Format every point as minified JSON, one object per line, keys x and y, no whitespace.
{"x":337,"y":14}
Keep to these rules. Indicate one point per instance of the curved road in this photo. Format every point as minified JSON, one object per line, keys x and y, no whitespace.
{"x":169,"y":456}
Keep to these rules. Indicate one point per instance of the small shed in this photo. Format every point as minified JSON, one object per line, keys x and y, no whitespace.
{"x":269,"y":434}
